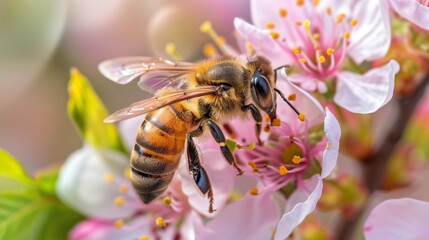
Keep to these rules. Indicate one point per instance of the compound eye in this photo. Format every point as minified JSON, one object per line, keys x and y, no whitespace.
{"x":261,"y":91}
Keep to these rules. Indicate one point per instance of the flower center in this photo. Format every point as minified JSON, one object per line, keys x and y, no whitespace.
{"x":317,"y":39}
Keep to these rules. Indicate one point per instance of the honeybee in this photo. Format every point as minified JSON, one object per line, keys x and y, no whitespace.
{"x":190,"y":99}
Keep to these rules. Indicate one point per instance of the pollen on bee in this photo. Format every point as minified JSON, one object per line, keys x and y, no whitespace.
{"x":301,"y":116}
{"x":160,"y":222}
{"x":119,"y":201}
{"x":296,"y":159}
{"x":254,"y":191}
{"x":276,"y":122}
{"x":119,"y":223}
{"x":109,"y":178}
{"x":167,"y":201}
{"x":144,"y":237}
{"x":123,"y":189}
{"x":252,"y":164}
{"x":283,"y":12}
{"x":291,"y":97}
{"x":283,"y":170}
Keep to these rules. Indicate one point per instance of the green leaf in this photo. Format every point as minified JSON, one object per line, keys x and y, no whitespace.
{"x":88,"y":112}
{"x":12,"y":175}
{"x":30,"y":215}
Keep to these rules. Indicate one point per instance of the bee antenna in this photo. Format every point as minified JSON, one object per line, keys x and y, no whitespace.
{"x":287,"y":101}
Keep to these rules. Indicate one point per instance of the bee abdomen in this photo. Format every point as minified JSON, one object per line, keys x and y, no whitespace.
{"x":147,"y":186}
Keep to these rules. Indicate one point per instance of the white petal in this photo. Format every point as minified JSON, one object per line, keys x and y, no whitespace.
{"x":253,"y":217}
{"x":263,"y":43}
{"x":292,"y":219}
{"x":413,"y":11}
{"x":366,"y":93}
{"x":398,"y":219}
{"x":81,"y":183}
{"x":333,"y":133}
{"x":370,"y":38}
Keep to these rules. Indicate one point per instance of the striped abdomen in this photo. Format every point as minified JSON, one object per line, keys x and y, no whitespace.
{"x":159,"y":144}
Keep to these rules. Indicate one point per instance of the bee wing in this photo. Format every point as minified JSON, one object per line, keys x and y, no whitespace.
{"x":155,"y":73}
{"x":157,"y":102}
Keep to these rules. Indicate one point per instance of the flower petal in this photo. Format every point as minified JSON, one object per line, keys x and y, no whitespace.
{"x":413,"y":11}
{"x":82,"y":185}
{"x":366,"y":93}
{"x":222,"y":178}
{"x":263,"y":43}
{"x":333,"y":133}
{"x":404,"y":218}
{"x":253,"y":217}
{"x":370,"y":38}
{"x":292,"y":219}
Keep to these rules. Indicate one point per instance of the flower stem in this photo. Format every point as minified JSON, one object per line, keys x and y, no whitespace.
{"x":375,"y":170}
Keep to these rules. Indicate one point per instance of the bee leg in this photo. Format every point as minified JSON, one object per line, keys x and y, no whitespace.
{"x":220,"y":139}
{"x":199,"y":173}
{"x":256,"y":116}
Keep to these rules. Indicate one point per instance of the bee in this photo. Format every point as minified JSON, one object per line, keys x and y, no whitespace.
{"x":189,"y":99}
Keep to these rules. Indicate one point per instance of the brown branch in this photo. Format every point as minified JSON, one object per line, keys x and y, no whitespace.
{"x":376,"y":169}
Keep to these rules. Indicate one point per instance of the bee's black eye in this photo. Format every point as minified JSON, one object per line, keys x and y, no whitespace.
{"x":262,"y":91}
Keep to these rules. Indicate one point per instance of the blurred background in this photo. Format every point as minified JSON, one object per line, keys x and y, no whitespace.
{"x":41,"y":40}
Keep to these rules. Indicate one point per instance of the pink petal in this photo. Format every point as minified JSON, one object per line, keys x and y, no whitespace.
{"x":333,"y":133}
{"x":398,"y":219}
{"x":292,"y":219}
{"x":366,"y":93}
{"x":222,"y":178}
{"x":263,"y":43}
{"x":82,"y":184}
{"x":96,"y":229}
{"x":413,"y":11}
{"x":370,"y":38}
{"x":253,"y":217}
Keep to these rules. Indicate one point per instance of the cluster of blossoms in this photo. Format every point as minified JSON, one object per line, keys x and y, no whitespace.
{"x":325,"y":43}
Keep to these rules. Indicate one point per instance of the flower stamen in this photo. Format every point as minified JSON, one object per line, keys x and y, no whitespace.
{"x":252,"y":164}
{"x":119,"y":223}
{"x":283,"y":12}
{"x":119,"y":201}
{"x":254,"y":191}
{"x":296,"y":159}
{"x":167,"y":201}
{"x":109,"y":178}
{"x":123,"y":189}
{"x":206,"y":27}
{"x":270,"y":25}
{"x":171,"y":49}
{"x":160,"y":222}
{"x":283,"y":170}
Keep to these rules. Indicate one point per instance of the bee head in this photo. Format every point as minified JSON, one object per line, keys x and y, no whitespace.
{"x":261,"y":90}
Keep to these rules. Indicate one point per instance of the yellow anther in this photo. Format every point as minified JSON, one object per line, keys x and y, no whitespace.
{"x":275,"y":35}
{"x":330,"y":51}
{"x":276,"y":122}
{"x":206,"y":27}
{"x":340,"y":17}
{"x":296,"y":159}
{"x":316,"y":36}
{"x":144,"y":238}
{"x":283,"y":170}
{"x":171,"y":50}
{"x":302,"y":60}
{"x":329,"y":10}
{"x":307,"y":24}
{"x":298,"y":23}
{"x":119,"y":201}
{"x":270,"y":25}
{"x":167,"y":201}
{"x":315,"y":2}
{"x":160,"y":222}
{"x":254,"y":191}
{"x":250,"y":49}
{"x":301,"y":116}
{"x":300,"y":2}
{"x":123,"y":189}
{"x":354,"y":22}
{"x":283,"y":12}
{"x":296,"y":50}
{"x":127,"y":173}
{"x":322,"y":59}
{"x":109,"y":178}
{"x":209,"y":50}
{"x":118,"y":223}
{"x":291,"y":97}
{"x":347,"y":35}
{"x":252,"y":164}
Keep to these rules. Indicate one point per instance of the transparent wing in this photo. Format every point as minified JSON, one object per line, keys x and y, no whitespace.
{"x":155,"y":73}
{"x":160,"y":101}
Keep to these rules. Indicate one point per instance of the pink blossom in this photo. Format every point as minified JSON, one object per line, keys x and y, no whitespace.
{"x":318,"y":38}
{"x":404,"y":218}
{"x":415,"y":11}
{"x":296,"y":152}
